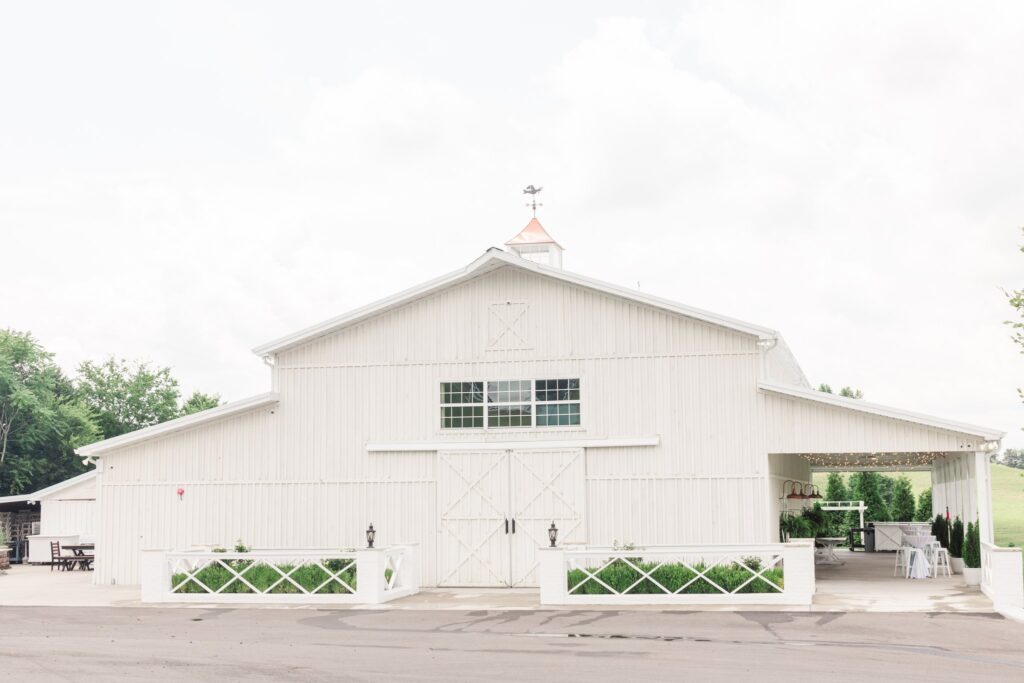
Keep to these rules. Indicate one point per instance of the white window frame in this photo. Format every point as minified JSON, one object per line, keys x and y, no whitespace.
{"x":533,"y":403}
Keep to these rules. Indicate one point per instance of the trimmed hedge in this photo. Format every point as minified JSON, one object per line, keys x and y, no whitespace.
{"x":620,"y":576}
{"x":262,"y":576}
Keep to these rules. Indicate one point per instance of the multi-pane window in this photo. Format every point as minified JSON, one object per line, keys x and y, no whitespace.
{"x":462,"y":405}
{"x":558,"y":402}
{"x":510,"y":403}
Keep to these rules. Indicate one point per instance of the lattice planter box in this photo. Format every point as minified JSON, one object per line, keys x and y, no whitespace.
{"x":269,"y":576}
{"x":751,"y":575}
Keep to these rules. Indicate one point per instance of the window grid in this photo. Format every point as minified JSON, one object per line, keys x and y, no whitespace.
{"x":510,"y":403}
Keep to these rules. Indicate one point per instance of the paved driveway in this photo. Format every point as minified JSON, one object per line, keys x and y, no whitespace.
{"x":180,"y":644}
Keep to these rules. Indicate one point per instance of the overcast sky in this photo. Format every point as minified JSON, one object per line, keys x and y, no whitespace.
{"x":180,"y":182}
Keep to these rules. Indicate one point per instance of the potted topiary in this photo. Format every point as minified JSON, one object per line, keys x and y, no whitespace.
{"x":972,"y":555}
{"x":956,"y":547}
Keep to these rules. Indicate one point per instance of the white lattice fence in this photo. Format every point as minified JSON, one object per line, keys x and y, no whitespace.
{"x":319,"y":576}
{"x":745,"y":574}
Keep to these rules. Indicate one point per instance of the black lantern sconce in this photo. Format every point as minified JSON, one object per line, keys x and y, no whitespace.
{"x":371,"y":534}
{"x":553,"y":534}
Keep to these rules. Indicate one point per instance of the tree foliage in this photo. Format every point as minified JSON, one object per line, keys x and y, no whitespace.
{"x":867,"y":486}
{"x":847,"y":392}
{"x":1013,"y":457}
{"x":924,"y":506}
{"x":835,"y":489}
{"x":127,"y":396}
{"x":199,"y":402}
{"x":45,"y":415}
{"x":903,"y":505}
{"x":41,"y":418}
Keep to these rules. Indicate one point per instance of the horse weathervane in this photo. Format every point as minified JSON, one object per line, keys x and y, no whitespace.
{"x":532,"y":191}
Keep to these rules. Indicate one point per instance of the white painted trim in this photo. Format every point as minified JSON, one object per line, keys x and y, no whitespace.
{"x":179,"y":424}
{"x":511,"y":445}
{"x":495,"y":258}
{"x":985,"y":433}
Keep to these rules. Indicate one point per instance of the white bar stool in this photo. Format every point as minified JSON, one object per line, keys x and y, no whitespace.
{"x":939,"y":557}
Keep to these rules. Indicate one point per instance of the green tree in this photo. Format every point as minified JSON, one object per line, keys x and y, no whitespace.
{"x":924,"y":506}
{"x":903,"y":505}
{"x":41,"y":419}
{"x":846,"y":392}
{"x":835,"y":489}
{"x":1012,"y":457}
{"x":127,"y":396}
{"x":867,"y":486}
{"x":198,"y":402}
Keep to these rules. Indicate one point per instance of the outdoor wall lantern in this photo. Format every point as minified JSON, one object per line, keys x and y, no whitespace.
{"x":371,"y":534}
{"x":553,"y":534}
{"x":815,"y":493}
{"x":181,"y":493}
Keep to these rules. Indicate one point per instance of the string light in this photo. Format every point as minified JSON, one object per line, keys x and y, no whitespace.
{"x":912,"y":459}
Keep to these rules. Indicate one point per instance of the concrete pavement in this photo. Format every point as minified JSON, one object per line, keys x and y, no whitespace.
{"x":158,"y":644}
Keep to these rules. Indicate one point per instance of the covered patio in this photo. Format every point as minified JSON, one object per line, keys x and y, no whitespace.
{"x":810,"y":431}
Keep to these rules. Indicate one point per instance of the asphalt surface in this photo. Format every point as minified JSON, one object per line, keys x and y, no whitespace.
{"x":165,"y":644}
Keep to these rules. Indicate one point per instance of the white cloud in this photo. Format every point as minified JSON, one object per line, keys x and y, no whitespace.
{"x":847,"y":173}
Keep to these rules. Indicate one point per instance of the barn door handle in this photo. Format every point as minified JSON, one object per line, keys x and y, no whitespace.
{"x":513,"y":525}
{"x":506,"y":525}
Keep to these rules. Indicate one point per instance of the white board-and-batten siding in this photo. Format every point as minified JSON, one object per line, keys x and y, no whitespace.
{"x":70,"y":511}
{"x":299,"y":474}
{"x":794,"y":425}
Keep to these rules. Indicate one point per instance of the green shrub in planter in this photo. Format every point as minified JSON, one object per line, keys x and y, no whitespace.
{"x":956,"y":539}
{"x":263,"y":576}
{"x":672,"y":576}
{"x":972,"y":546}
{"x":940,"y":530}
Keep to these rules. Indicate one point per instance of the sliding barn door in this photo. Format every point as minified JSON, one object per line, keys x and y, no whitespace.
{"x":546,"y":487}
{"x":473,"y":544}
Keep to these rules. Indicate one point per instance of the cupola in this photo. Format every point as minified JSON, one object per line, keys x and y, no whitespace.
{"x":534,"y":243}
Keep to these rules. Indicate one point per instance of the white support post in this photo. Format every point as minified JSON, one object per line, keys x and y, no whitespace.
{"x":410,"y":574}
{"x":982,"y":480}
{"x":552,"y":576}
{"x":154,"y":576}
{"x":370,"y":581}
{"x":798,"y":565}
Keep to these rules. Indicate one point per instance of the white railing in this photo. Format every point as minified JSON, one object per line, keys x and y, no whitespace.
{"x":368,"y":576}
{"x":1002,"y":575}
{"x":777,"y":573}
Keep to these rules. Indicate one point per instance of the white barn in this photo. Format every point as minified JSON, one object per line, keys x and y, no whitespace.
{"x":468,"y":413}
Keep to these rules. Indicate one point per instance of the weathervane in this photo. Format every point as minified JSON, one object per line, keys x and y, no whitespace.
{"x":532,"y":191}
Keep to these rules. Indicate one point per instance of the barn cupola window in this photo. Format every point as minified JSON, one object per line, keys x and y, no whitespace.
{"x":534,"y":243}
{"x":510,"y":403}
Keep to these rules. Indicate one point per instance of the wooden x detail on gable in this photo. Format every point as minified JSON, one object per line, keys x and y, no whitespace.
{"x":507,"y":325}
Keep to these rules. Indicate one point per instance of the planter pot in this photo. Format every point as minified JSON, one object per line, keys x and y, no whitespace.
{"x":956,"y":564}
{"x":972,"y":577}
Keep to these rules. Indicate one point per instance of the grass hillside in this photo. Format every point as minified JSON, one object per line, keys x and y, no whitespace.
{"x":1007,"y":499}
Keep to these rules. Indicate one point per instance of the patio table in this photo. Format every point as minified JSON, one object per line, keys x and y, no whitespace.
{"x":918,"y":540}
{"x":79,"y":551}
{"x":827,"y":551}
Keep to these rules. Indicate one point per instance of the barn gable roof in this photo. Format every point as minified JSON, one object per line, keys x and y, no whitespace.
{"x":492,"y":259}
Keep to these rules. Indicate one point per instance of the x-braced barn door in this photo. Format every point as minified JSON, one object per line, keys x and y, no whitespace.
{"x":473,"y":546}
{"x":496,"y":507}
{"x":547,"y":486}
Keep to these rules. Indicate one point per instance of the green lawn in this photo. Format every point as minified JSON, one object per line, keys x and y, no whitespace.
{"x":1007,"y":499}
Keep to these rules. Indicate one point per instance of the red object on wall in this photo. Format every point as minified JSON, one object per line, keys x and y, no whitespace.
{"x":181,"y":493}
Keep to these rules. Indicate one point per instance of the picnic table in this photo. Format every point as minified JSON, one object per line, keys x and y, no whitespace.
{"x":826,"y":553}
{"x":86,"y":553}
